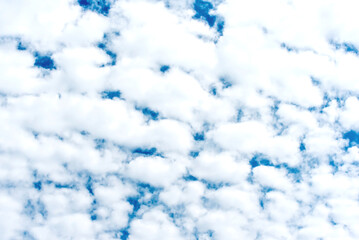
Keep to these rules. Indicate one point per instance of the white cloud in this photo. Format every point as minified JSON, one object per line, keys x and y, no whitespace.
{"x":243,"y":199}
{"x":349,"y":117}
{"x":222,"y":167}
{"x":273,"y":96}
{"x":154,"y":225}
{"x":18,"y":75}
{"x":156,"y":171}
{"x":10,"y":213}
{"x":168,"y":38}
{"x":251,"y":137}
{"x":37,"y":20}
{"x":186,"y":193}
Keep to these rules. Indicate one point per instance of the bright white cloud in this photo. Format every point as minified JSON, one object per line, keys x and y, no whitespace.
{"x":191,"y":119}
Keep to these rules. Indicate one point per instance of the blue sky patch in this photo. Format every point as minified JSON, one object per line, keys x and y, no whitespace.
{"x":275,"y":106}
{"x":93,"y":216}
{"x":145,"y":151}
{"x":225,"y":83}
{"x":259,"y":161}
{"x":124,"y":234}
{"x":99,"y":6}
{"x":302,"y":147}
{"x":111,"y":54}
{"x":145,"y":187}
{"x":65,"y":185}
{"x":214,"y":185}
{"x":334,"y":164}
{"x":44,"y":61}
{"x":331,"y":220}
{"x":352,"y":137}
{"x":92,"y":212}
{"x":202,"y":9}
{"x":266,"y":190}
{"x":194,"y":154}
{"x":21,"y":46}
{"x":164,"y":68}
{"x":326,"y":101}
{"x":261,"y":202}
{"x":173,"y":214}
{"x":111,"y":94}
{"x":240,"y":115}
{"x":134,"y":201}
{"x":347,"y":47}
{"x":84,"y":133}
{"x":153,"y":115}
{"x":38,"y":185}
{"x":315,"y":81}
{"x":213,"y":91}
{"x":190,"y":178}
{"x":294,"y":172}
{"x":313,"y":109}
{"x":199,"y":136}
{"x":89,"y":185}
{"x":220,"y":26}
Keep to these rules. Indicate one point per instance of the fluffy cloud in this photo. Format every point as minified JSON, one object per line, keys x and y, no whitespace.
{"x":191,"y":119}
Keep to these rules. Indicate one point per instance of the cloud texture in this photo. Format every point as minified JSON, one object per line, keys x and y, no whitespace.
{"x":167,"y":119}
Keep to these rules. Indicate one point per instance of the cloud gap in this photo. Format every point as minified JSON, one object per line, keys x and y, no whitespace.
{"x":111,"y":94}
{"x":199,"y":136}
{"x":99,"y":6}
{"x":352,"y":138}
{"x":149,"y":113}
{"x":203,"y":9}
{"x":165,"y":68}
{"x":104,"y":45}
{"x":44,"y":61}
{"x":260,"y":160}
{"x":145,"y":151}
{"x":345,"y":46}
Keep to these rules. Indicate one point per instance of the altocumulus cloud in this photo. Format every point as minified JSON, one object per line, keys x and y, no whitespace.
{"x":179,"y":119}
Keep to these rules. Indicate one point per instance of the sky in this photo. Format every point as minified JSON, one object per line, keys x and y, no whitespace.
{"x":179,"y":119}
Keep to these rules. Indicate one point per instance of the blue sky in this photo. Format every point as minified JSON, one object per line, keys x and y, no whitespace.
{"x":179,"y":119}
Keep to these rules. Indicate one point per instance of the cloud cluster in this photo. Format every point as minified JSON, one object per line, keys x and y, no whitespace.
{"x":191,"y":119}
